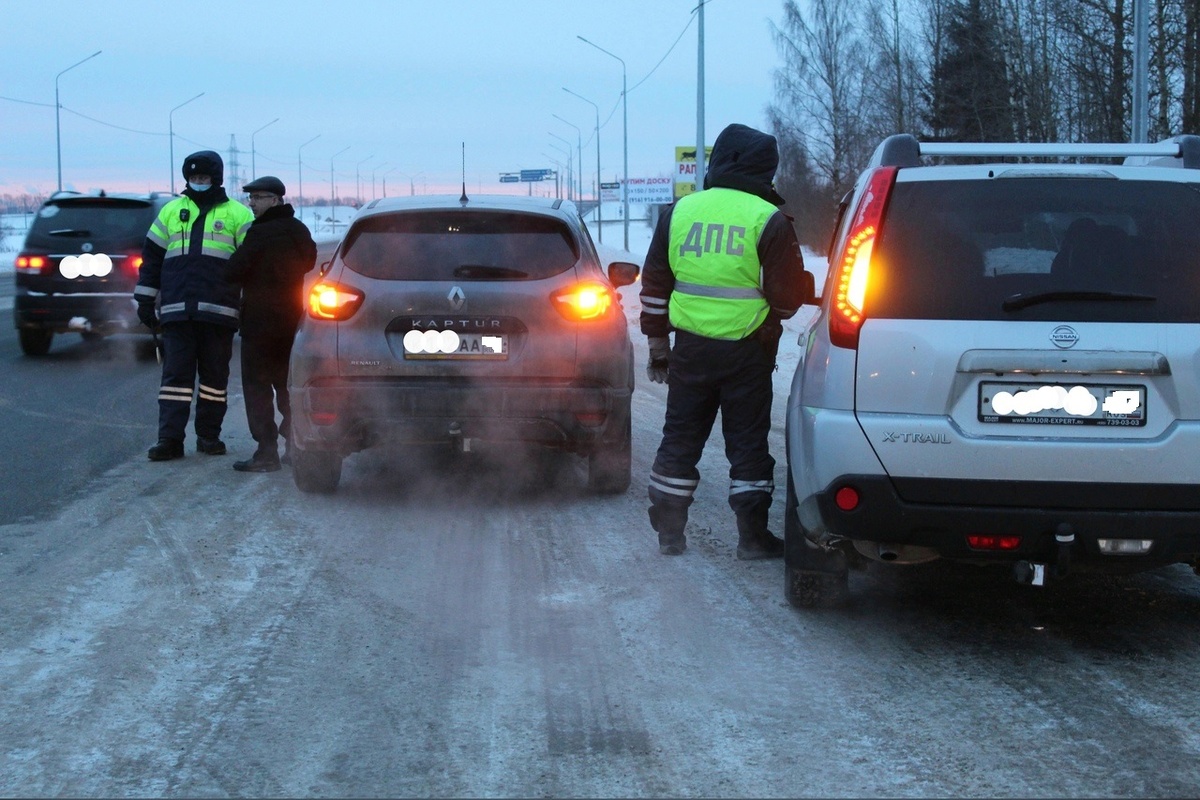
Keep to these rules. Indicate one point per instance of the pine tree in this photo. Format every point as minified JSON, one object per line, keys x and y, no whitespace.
{"x":971,"y":93}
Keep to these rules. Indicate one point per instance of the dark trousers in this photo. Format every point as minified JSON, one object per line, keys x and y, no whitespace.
{"x":707,"y":376}
{"x":264,"y":386}
{"x":193,"y":348}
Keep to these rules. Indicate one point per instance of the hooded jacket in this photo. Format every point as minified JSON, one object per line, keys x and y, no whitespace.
{"x":743,"y":160}
{"x":186,"y":253}
{"x":270,"y":267}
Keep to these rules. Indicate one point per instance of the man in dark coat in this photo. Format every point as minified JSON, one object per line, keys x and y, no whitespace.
{"x":270,"y":266}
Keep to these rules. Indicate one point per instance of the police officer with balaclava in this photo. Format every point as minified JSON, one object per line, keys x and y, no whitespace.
{"x":183,"y":291}
{"x":723,"y":269}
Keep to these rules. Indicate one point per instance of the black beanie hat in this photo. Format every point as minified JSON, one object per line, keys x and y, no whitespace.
{"x":205,"y":162}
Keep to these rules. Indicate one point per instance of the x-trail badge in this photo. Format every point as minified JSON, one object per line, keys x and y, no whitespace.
{"x":456,"y":297}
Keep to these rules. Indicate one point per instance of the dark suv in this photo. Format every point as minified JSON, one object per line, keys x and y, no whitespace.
{"x":465,"y":322}
{"x":78,"y":267}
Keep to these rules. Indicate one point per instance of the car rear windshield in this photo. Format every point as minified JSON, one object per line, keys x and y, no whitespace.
{"x":1038,"y":248}
{"x":459,"y":246}
{"x":100,"y":220}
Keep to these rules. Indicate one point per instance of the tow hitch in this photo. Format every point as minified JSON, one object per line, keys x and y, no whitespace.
{"x":1034,"y":573}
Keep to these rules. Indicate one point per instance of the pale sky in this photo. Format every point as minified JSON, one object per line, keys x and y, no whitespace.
{"x":400,"y":83}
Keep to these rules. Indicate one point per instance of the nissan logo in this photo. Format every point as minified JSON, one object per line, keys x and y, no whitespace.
{"x":456,"y":297}
{"x":1064,"y":336}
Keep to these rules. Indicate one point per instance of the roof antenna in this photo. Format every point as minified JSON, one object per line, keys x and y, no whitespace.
{"x":463,"y":199}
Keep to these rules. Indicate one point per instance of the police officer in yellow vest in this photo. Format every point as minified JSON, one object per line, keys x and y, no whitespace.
{"x":184,"y":276}
{"x":723,"y":269}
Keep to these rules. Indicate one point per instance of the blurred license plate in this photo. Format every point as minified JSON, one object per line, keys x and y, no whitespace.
{"x":1062,"y":404}
{"x":451,"y":345}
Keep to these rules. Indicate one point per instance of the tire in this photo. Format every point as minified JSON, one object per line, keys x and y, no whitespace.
{"x":610,"y":465}
{"x":35,"y":341}
{"x":813,"y":577}
{"x":316,"y":471}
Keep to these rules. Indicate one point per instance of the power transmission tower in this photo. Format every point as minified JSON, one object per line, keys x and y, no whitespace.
{"x":233,"y":172}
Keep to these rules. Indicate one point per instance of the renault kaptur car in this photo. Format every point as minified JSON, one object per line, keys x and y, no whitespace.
{"x":1005,"y":366}
{"x":473,"y":322}
{"x":78,"y":266}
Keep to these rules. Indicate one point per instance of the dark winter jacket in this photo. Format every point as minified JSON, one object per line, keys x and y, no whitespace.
{"x":743,"y":159}
{"x":270,"y":266}
{"x":186,"y":255}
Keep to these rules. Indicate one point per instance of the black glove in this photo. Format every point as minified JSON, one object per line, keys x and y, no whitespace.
{"x":145,"y":312}
{"x":660,"y":359}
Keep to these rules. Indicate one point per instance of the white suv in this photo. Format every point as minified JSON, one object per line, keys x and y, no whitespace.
{"x":1005,"y":368}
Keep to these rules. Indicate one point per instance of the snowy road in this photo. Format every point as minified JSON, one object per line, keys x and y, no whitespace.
{"x":438,"y":628}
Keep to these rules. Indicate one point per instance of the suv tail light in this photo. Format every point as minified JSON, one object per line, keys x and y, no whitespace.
{"x":132,"y":264}
{"x":853,"y":262}
{"x":32,"y":263}
{"x":332,"y":301}
{"x":583,"y":301}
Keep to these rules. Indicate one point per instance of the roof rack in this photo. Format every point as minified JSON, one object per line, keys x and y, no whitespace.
{"x":905,"y":150}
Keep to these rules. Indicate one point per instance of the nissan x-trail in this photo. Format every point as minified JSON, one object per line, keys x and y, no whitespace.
{"x":1005,"y":367}
{"x":475,"y":323}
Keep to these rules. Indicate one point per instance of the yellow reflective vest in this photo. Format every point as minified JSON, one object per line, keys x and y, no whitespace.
{"x":190,"y":278}
{"x":714,"y":257}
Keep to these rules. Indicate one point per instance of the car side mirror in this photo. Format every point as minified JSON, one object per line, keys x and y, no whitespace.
{"x":623,"y":273}
{"x":808,"y":286}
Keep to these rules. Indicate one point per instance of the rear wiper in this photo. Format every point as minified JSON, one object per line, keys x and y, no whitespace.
{"x":1019,"y":301}
{"x":484,"y":271}
{"x":70,"y":232}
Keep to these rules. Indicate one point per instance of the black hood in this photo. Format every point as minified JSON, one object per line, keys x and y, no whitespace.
{"x":745,"y":159}
{"x":205,"y":162}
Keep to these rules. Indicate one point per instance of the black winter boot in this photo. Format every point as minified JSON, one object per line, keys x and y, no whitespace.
{"x":265,"y":459}
{"x":754,"y":540}
{"x":212,"y":447}
{"x":165,"y":450}
{"x":669,"y":524}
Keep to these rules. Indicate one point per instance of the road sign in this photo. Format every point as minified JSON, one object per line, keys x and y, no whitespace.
{"x":510,"y":178}
{"x":535,"y":174}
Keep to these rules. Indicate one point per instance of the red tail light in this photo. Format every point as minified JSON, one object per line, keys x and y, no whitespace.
{"x":977,"y":541}
{"x":584,"y":301}
{"x":853,"y":263}
{"x":332,"y":301}
{"x":32,"y":263}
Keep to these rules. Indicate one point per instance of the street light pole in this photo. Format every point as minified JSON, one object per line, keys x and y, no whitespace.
{"x":171,"y":134}
{"x":411,"y":188}
{"x":357,"y":183}
{"x":599,"y":205}
{"x":701,"y":148}
{"x":57,"y":126}
{"x":300,"y":176}
{"x":557,"y":174}
{"x":579,"y":149}
{"x":333,"y":191}
{"x":625,"y":124}
{"x":377,"y":166}
{"x":383,"y":178}
{"x":570,"y":173}
{"x":253,"y":168}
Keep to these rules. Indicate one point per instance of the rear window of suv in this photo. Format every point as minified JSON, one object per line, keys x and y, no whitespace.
{"x":459,"y":246}
{"x":1038,"y":248}
{"x":93,"y":220}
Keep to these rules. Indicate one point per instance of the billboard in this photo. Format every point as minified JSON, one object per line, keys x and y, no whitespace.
{"x":685,"y":169}
{"x":651,"y":191}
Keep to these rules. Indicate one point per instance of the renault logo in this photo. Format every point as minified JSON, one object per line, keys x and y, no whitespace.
{"x":456,"y":297}
{"x":1064,"y":336}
